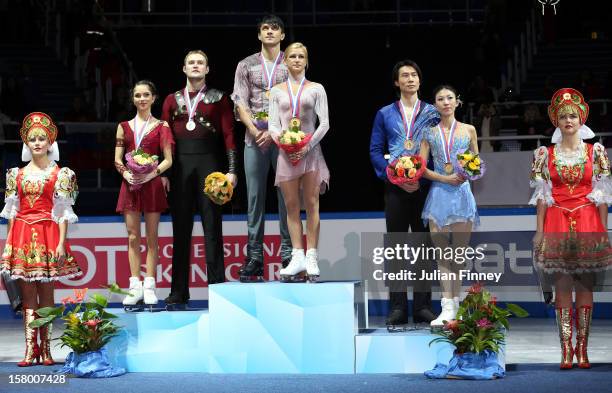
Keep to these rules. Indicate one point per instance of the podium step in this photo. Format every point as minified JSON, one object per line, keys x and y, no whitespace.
{"x":283,"y":328}
{"x":379,"y":351}
{"x":161,"y":341}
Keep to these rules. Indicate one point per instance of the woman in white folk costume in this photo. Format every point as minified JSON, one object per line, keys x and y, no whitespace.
{"x":300,"y":102}
{"x":153,"y":137}
{"x":572,"y":192}
{"x":450,"y":207}
{"x":38,"y":207}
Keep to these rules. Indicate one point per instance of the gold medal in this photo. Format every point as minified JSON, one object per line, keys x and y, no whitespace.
{"x":268,"y":94}
{"x":295,"y":123}
{"x":448,"y":168}
{"x":408,"y":144}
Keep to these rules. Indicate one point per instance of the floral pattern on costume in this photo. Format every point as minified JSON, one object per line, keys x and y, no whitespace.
{"x":36,"y":202}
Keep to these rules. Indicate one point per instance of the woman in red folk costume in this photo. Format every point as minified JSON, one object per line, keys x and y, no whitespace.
{"x":572,"y":191}
{"x":38,"y":206}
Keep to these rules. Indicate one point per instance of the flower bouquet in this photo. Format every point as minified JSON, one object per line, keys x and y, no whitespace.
{"x":406,"y":169}
{"x":88,"y":329}
{"x":140,"y":163}
{"x":260,"y":120}
{"x":478,"y":334}
{"x":470,"y":166}
{"x":293,"y":140}
{"x":218,"y":188}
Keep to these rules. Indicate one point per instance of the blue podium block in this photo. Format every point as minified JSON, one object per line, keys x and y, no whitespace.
{"x":276,"y":327}
{"x":409,"y":352}
{"x":161,"y":341}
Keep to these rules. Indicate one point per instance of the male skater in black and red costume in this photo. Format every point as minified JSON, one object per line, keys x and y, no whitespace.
{"x":201,"y":119}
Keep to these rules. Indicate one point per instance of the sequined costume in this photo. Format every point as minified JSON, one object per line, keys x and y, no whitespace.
{"x":447,"y":204}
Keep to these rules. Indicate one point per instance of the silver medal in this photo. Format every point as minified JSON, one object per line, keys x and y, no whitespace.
{"x":190,"y":125}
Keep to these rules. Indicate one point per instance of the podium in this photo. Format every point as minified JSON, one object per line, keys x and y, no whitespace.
{"x":272,"y":327}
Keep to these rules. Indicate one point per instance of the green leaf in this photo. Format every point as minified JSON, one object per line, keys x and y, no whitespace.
{"x":517,"y":310}
{"x":100,"y":300}
{"x":46,"y":311}
{"x":41,"y":321}
{"x":114,"y":288}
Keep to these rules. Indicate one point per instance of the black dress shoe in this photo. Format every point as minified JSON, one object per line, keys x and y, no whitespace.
{"x":397,"y":317}
{"x":423,"y":315}
{"x":176,"y":299}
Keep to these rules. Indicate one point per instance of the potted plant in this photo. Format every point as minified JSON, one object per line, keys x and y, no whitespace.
{"x":478,"y":334}
{"x":88,"y":329}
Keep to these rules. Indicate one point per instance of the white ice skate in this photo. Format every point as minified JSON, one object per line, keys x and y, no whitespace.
{"x":134,"y":299}
{"x":312,"y":266}
{"x":295,"y":269}
{"x":148,"y":289}
{"x":448,"y":313}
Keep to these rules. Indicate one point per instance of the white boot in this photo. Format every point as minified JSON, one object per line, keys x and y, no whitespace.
{"x":448,"y":312}
{"x":135,"y":292}
{"x":296,"y":266}
{"x":456,"y":304}
{"x":148,"y":289}
{"x":312,"y":267}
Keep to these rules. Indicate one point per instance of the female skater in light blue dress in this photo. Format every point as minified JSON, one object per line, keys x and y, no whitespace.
{"x":450,"y":205}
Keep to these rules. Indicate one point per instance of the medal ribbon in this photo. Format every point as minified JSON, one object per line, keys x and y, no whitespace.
{"x":295,"y":99}
{"x":191,"y":107}
{"x":139,"y":135}
{"x":270,"y":75}
{"x":447,"y":144}
{"x":415,"y":111}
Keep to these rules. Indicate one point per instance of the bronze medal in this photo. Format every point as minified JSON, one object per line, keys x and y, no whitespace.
{"x":409,"y":144}
{"x":448,"y":168}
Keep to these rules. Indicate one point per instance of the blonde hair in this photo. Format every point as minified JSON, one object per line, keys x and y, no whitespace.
{"x":567,"y":110}
{"x":195,"y":52}
{"x":36,"y":131}
{"x":294,"y":46}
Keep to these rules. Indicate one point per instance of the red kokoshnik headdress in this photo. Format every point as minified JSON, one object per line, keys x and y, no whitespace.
{"x":38,"y":120}
{"x":567,"y":97}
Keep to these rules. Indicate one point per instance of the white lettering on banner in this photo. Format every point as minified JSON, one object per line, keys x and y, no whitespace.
{"x":513,"y":255}
{"x":274,"y":270}
{"x":164,"y":275}
{"x":269,"y":250}
{"x":495,"y":256}
{"x":111,"y":259}
{"x":233,"y":250}
{"x":165,"y":252}
{"x":198,"y":250}
{"x":228,"y":268}
{"x":195,"y":269}
{"x":91,"y":267}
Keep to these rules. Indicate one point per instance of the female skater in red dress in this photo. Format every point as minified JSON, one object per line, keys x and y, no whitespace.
{"x":144,"y":193}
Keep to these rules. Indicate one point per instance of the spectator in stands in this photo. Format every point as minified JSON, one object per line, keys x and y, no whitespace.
{"x":80,"y":111}
{"x":488,"y":123}
{"x":531,"y":123}
{"x":479,"y":92}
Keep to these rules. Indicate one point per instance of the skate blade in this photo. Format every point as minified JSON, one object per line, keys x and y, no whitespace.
{"x":294,"y":279}
{"x":251,"y":279}
{"x":176,"y":307}
{"x":313,"y":279}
